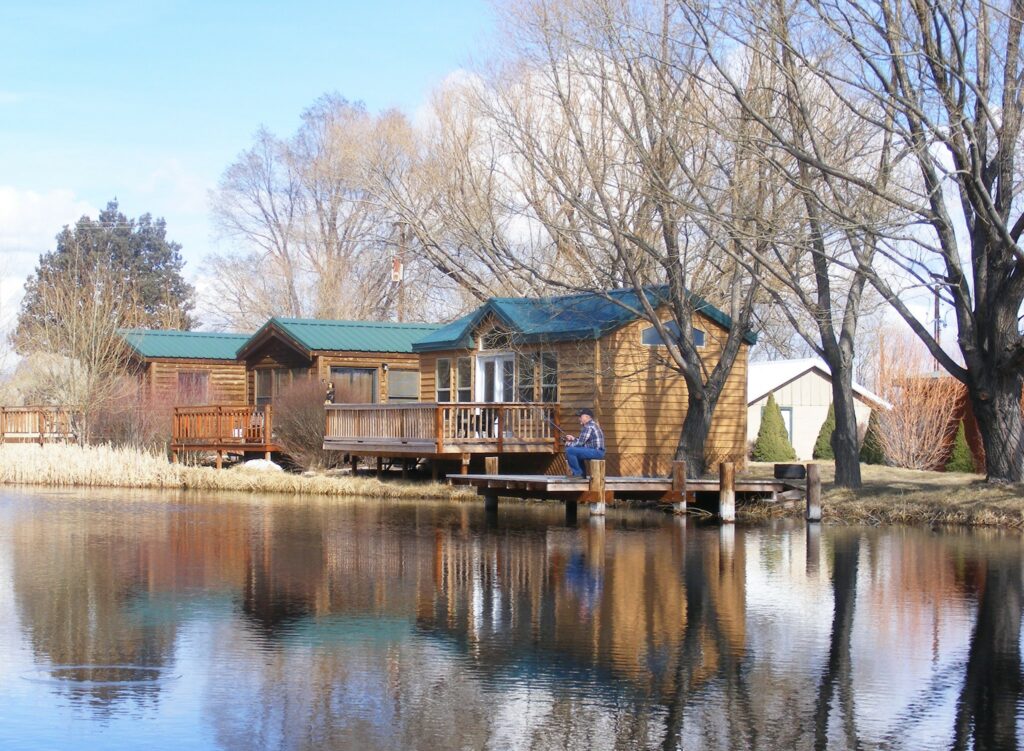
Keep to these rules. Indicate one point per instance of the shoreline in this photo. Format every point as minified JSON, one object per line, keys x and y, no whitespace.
{"x":889,"y":496}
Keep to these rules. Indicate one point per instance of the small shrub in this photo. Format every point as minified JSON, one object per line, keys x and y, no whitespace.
{"x":128,"y":417}
{"x":299,"y":426}
{"x":823,"y":446}
{"x":961,"y":459}
{"x":772,"y":444}
{"x":871,"y":451}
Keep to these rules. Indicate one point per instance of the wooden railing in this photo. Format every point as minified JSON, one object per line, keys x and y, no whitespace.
{"x":37,"y":425}
{"x":442,"y":428}
{"x":220,"y":425}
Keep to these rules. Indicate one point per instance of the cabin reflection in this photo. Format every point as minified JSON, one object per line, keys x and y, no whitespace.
{"x":377,"y":624}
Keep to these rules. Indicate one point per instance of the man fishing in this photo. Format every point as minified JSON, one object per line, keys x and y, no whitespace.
{"x":589,"y":444}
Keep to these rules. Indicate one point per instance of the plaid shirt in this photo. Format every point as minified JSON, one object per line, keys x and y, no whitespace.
{"x":591,"y":436}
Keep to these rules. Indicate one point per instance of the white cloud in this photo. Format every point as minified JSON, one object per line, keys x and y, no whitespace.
{"x":28,"y":223}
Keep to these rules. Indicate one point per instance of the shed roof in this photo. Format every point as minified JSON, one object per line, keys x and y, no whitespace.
{"x":312,"y":334}
{"x":765,"y":377}
{"x":588,"y":315}
{"x":199,"y":345}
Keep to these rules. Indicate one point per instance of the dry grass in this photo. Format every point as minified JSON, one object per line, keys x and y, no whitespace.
{"x":892,"y":495}
{"x":105,"y":466}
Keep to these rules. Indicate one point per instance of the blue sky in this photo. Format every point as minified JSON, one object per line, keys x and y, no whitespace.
{"x":149,"y":101}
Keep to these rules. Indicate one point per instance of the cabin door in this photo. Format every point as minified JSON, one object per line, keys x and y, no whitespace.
{"x":354,"y":385}
{"x":495,"y":378}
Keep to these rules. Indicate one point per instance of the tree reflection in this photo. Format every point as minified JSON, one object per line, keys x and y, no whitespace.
{"x":837,"y":679}
{"x":986,"y":715}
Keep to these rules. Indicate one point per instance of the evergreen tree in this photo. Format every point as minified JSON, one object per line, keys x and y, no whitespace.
{"x":871,"y":451}
{"x":132,"y":254}
{"x":961,"y":459}
{"x":772,"y":444}
{"x":823,"y":446}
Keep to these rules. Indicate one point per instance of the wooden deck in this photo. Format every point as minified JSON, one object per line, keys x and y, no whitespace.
{"x":562,"y":488}
{"x":37,"y":425}
{"x":224,"y":429}
{"x":442,"y":430}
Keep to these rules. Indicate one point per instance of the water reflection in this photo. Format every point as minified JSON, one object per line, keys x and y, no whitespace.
{"x":367,"y":625}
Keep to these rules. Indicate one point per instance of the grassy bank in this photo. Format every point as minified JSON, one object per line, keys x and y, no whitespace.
{"x":891,"y":495}
{"x":103,"y":466}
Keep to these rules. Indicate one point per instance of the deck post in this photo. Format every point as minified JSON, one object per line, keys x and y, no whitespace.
{"x":679,"y":487}
{"x":433,"y":470}
{"x":597,"y":486}
{"x":464,"y":469}
{"x":490,"y":465}
{"x":354,"y":460}
{"x":405,"y":468}
{"x":727,"y":491}
{"x":220,"y":459}
{"x":266,"y":455}
{"x":491,"y":500}
{"x":813,"y":493}
{"x":174,"y":457}
{"x":380,"y":466}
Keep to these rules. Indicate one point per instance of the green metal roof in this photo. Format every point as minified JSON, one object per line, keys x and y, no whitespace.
{"x":200,"y":345}
{"x":565,"y":318}
{"x":350,"y":336}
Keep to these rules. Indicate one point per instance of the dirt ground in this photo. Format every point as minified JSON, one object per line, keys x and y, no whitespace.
{"x":891,"y":495}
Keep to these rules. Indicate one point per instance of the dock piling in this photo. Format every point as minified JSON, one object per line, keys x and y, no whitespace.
{"x":727,"y":491}
{"x":597,"y":467}
{"x":813,"y":493}
{"x":679,"y":487}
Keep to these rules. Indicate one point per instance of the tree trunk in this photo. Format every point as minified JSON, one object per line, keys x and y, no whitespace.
{"x":996,"y":400}
{"x":694,"y":434}
{"x":845,"y":445}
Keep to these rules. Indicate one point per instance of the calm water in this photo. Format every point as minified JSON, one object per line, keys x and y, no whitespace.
{"x":252,"y":624}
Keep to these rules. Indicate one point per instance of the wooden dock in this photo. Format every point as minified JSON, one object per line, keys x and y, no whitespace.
{"x":597,"y":490}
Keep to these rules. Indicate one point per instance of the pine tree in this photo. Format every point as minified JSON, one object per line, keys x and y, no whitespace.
{"x":823,"y":446}
{"x":961,"y":459}
{"x":772,"y":444}
{"x":871,"y":451}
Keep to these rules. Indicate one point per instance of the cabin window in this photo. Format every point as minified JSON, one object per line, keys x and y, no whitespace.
{"x":525,"y":368}
{"x":354,"y":385}
{"x":548,"y":377}
{"x":652,"y":338}
{"x":464,"y":379}
{"x":272,"y":382}
{"x":193,"y":387}
{"x":403,"y":385}
{"x":444,"y":380}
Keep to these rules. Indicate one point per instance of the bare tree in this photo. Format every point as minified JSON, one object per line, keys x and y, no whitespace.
{"x":915,"y":432}
{"x":940,"y":82}
{"x":311,"y":239}
{"x":83,"y":353}
{"x":606,"y":132}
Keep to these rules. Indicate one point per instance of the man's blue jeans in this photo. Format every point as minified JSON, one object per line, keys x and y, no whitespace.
{"x":575,"y":455}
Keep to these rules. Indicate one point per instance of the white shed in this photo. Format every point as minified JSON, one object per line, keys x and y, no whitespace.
{"x":803,"y":391}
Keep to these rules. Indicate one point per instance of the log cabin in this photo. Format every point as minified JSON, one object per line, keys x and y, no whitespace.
{"x":187,"y":367}
{"x":350,"y":362}
{"x":361,"y":362}
{"x":509,"y":377}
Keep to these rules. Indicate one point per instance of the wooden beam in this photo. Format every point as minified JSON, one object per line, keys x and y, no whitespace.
{"x":491,"y":465}
{"x":597,"y":467}
{"x":813,"y":493}
{"x":727,"y":491}
{"x":679,"y":486}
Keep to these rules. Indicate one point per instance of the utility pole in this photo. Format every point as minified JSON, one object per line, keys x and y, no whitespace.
{"x":398,"y":272}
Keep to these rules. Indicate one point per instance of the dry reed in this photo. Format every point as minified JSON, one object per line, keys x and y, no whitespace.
{"x":106,"y":466}
{"x":892,"y":495}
